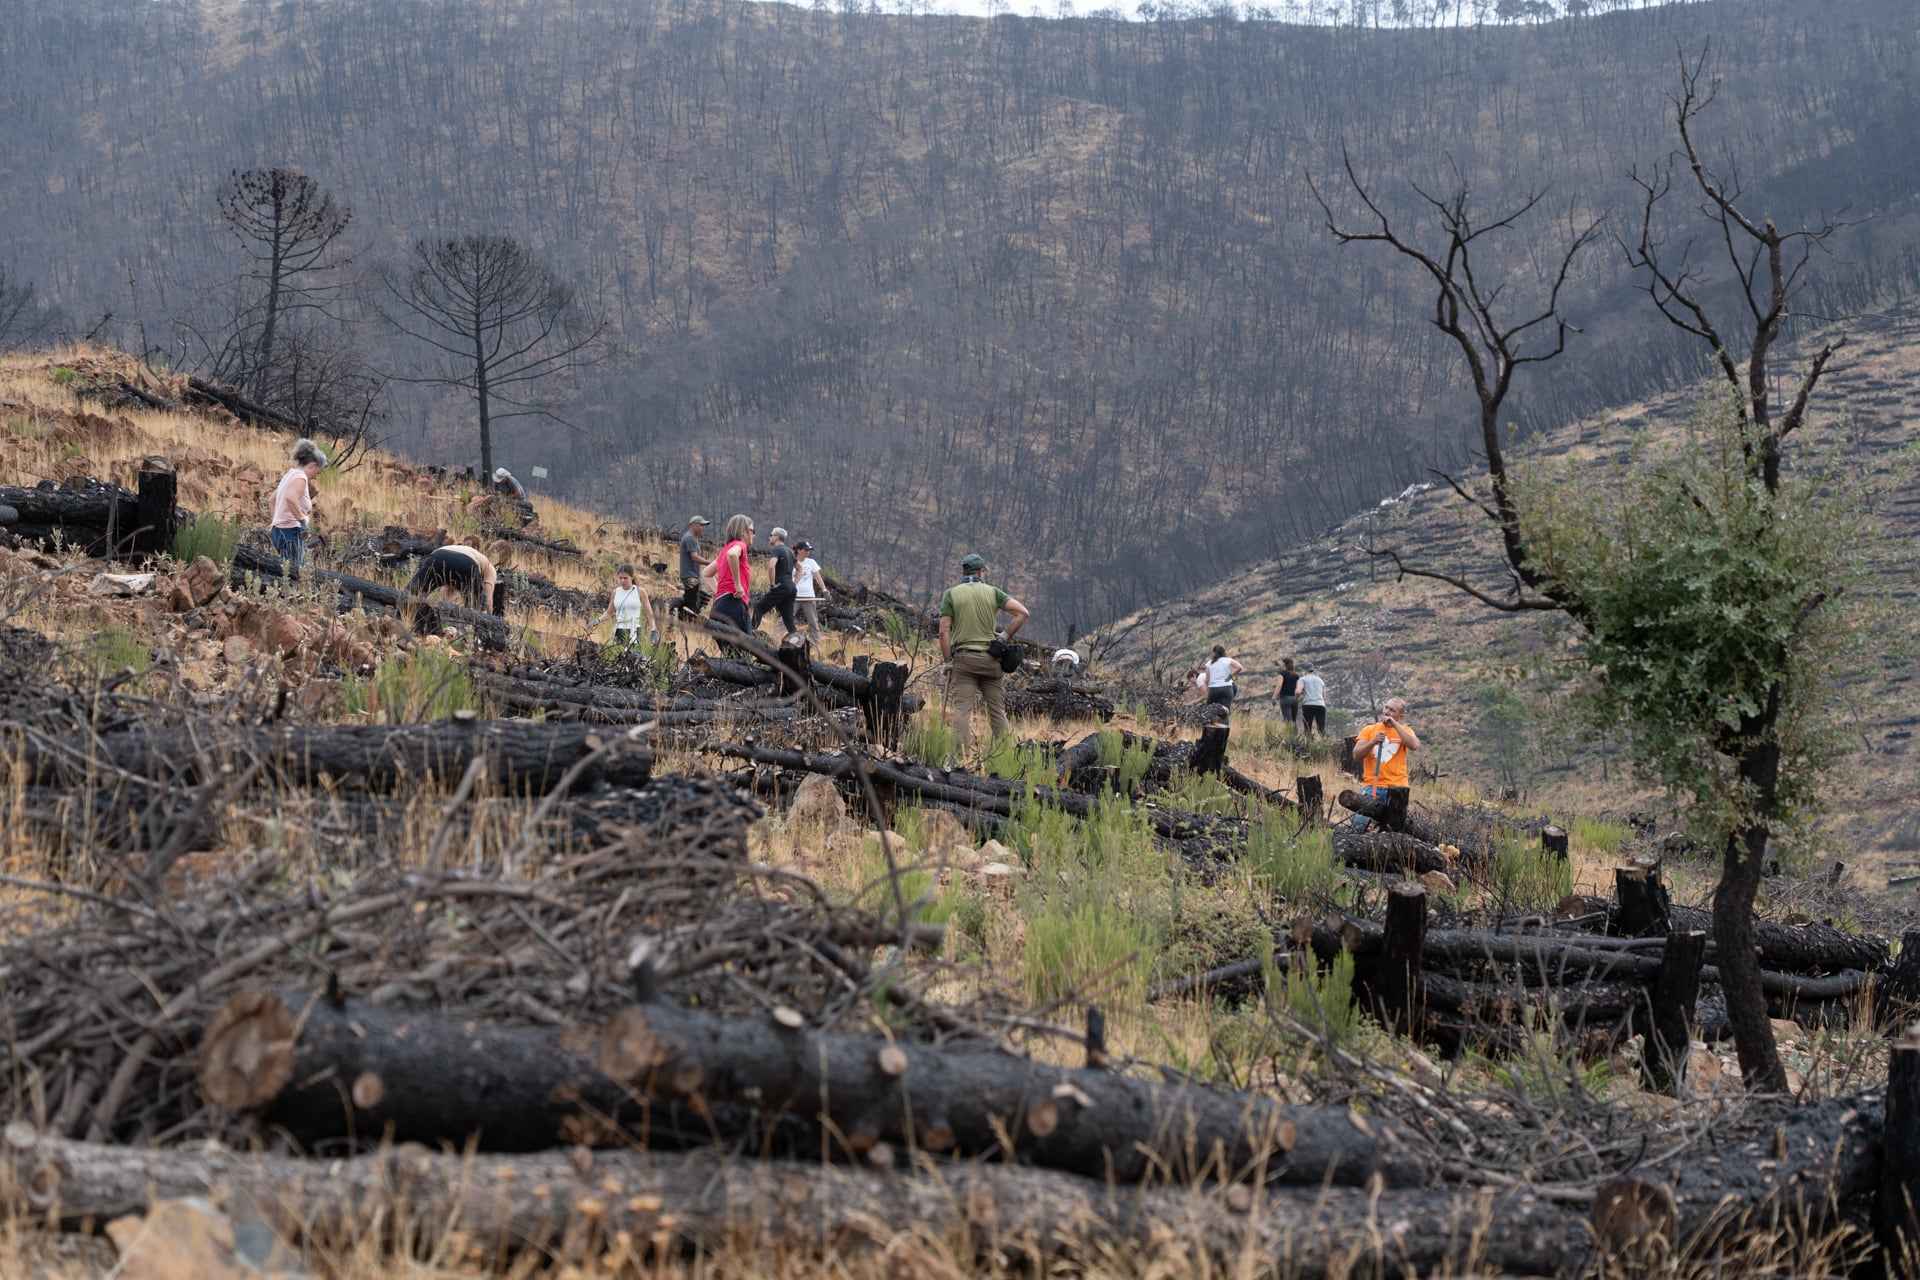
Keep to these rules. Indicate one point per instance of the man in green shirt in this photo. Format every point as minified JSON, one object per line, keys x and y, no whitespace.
{"x":969,"y":611}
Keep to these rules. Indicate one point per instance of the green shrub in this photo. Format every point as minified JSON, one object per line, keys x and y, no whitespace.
{"x":1528,"y":877}
{"x":1031,"y":764}
{"x":1131,"y":761}
{"x":1099,"y":902}
{"x":1073,"y":946}
{"x":113,"y":649}
{"x":1202,"y":793}
{"x":424,"y":685}
{"x":1324,"y":1001}
{"x":208,"y":536}
{"x":931,"y":740}
{"x":1297,"y":866}
{"x":1605,"y":837}
{"x":66,"y":375}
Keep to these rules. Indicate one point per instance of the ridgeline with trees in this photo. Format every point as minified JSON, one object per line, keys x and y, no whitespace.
{"x":862,"y":267}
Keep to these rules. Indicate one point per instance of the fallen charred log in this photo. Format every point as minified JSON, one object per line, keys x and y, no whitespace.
{"x":327,"y":1072}
{"x":708,"y":1201}
{"x":910,"y":1096}
{"x":519,"y":756}
{"x":1388,"y":851}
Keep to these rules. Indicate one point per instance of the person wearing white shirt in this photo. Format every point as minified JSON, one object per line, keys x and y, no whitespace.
{"x":628,"y":607}
{"x":1220,"y":673}
{"x":809,"y":588}
{"x":1313,"y":703}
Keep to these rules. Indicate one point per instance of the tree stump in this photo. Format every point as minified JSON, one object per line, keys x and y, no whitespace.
{"x":1663,"y":1049}
{"x":1312,"y":796}
{"x":1347,"y":763}
{"x":1644,"y":906}
{"x":1210,"y":753}
{"x":154,"y":522}
{"x":796,"y":666}
{"x":880,"y":702}
{"x":1396,"y":983}
{"x":1896,"y":1202}
{"x":1553,"y":839}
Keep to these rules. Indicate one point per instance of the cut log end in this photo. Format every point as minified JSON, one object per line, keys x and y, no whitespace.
{"x":246,"y":1056}
{"x":630,"y":1052}
{"x":1633,"y":1218}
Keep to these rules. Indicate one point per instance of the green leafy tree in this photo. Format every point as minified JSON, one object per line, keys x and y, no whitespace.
{"x":1710,"y":584}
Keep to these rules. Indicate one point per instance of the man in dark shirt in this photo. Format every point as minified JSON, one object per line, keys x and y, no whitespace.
{"x":781,"y":594}
{"x":692,"y":598}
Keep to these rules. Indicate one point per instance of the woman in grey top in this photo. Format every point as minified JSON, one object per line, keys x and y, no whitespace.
{"x":1313,"y":703}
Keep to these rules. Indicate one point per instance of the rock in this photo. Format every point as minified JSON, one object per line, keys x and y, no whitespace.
{"x":943,"y":829}
{"x":1703,"y":1069}
{"x":179,"y":599}
{"x":237,"y":649}
{"x":1438,"y":881}
{"x":122,"y":585}
{"x":189,"y":1239}
{"x":204,"y":580}
{"x":999,"y":870}
{"x":1785,"y":1029}
{"x":994,"y":851}
{"x":284,"y":634}
{"x":817,"y":806}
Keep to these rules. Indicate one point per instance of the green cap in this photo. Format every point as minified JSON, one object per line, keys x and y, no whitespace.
{"x":973,"y":563}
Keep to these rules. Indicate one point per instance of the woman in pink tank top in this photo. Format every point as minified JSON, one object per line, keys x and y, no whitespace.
{"x":733,"y":578}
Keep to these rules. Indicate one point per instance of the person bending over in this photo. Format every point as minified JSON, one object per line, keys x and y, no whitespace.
{"x":465,"y":571}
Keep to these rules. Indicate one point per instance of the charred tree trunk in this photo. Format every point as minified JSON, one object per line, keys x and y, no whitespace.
{"x":1671,"y":997}
{"x":1896,"y":1201}
{"x":1742,"y":863}
{"x":1397,"y":983}
{"x":521,"y":756}
{"x":880,"y":703}
{"x":1309,"y":789}
{"x":699,"y":1201}
{"x":1388,"y":851}
{"x":1554,"y":840}
{"x":1210,"y":753}
{"x":907,"y":1096}
{"x":327,"y":1072}
{"x":1645,"y":909}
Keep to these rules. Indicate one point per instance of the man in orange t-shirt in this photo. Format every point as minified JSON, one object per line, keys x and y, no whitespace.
{"x":1381,"y":752}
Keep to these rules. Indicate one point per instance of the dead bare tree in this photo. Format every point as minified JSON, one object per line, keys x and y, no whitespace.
{"x":1768,"y":265}
{"x":498,"y":318}
{"x":1464,"y":308}
{"x":23,"y":319}
{"x":290,"y":226}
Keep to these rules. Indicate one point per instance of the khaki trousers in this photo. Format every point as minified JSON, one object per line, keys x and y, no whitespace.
{"x":973,"y":677}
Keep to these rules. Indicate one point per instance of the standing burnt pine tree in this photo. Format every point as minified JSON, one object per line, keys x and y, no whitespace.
{"x":1716,"y":584}
{"x":498,"y":320}
{"x":290,"y":227}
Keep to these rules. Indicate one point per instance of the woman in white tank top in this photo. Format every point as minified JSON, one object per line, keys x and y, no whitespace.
{"x":628,"y":606}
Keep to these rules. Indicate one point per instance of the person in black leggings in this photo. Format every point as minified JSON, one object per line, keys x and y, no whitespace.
{"x":1286,"y":692}
{"x":464,"y":570}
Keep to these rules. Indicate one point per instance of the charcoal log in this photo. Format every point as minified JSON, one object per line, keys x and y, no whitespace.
{"x":702,"y":1201}
{"x":1087,"y":1121}
{"x":1388,"y":851}
{"x":328,"y":1073}
{"x":521,"y":756}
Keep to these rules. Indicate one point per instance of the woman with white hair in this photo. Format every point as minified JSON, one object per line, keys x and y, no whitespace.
{"x":293,"y":504}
